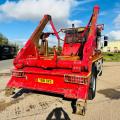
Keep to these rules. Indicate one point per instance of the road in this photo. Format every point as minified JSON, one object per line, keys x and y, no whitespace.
{"x":5,"y":68}
{"x":6,"y":64}
{"x":31,"y":105}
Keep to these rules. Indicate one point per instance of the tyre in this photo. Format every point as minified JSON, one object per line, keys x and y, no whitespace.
{"x":92,"y":87}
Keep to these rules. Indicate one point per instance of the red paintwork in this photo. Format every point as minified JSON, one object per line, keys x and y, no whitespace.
{"x":59,"y":85}
{"x":34,"y":66}
{"x":69,"y":49}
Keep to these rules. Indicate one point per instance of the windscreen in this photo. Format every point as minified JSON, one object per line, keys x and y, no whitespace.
{"x":73,"y":36}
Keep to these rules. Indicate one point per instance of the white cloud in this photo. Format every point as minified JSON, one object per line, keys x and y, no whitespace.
{"x":103,"y":13}
{"x":117,"y":8}
{"x":77,"y":23}
{"x":114,"y":35}
{"x":86,"y":1}
{"x":35,"y":9}
{"x":117,"y":21}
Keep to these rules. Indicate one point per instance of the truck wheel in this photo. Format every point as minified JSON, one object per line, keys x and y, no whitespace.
{"x":92,"y":88}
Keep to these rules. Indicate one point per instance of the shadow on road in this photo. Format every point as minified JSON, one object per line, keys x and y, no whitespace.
{"x":110,"y":93}
{"x":21,"y":92}
{"x":28,"y":92}
{"x":58,"y":114}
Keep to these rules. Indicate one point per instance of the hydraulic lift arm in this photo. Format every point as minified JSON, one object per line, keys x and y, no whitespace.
{"x":90,"y":46}
{"x":30,"y":48}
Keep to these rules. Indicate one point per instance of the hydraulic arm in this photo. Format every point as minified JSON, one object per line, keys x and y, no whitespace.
{"x":30,"y":50}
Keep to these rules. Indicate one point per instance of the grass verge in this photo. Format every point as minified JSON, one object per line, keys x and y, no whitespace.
{"x":111,"y":57}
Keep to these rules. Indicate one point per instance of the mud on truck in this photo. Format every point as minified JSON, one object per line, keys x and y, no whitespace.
{"x":71,"y":72}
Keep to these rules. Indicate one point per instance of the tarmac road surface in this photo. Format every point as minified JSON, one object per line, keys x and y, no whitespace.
{"x":5,"y":64}
{"x":31,"y":105}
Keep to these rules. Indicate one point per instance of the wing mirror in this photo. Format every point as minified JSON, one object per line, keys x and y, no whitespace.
{"x":105,"y":41}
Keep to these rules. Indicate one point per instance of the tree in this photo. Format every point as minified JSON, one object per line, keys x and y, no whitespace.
{"x":3,"y":39}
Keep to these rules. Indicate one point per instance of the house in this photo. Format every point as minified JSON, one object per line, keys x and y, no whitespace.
{"x":113,"y":46}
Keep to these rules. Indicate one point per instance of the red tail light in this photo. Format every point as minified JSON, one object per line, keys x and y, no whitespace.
{"x":18,"y":74}
{"x":75,"y":79}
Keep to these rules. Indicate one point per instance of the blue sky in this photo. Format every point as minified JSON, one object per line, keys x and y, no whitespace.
{"x":19,"y":18}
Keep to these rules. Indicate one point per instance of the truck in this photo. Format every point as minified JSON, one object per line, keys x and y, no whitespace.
{"x":7,"y":51}
{"x":71,"y":72}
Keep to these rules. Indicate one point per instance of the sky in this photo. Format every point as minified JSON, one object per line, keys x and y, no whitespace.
{"x":19,"y":18}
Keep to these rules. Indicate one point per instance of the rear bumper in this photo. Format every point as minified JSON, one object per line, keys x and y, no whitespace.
{"x":59,"y":86}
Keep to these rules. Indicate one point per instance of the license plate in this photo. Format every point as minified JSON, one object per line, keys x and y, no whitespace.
{"x":43,"y":80}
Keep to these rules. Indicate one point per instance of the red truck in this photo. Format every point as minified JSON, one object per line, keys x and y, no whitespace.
{"x":71,"y":72}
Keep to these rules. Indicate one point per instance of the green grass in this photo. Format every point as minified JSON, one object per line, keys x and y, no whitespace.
{"x":111,"y":57}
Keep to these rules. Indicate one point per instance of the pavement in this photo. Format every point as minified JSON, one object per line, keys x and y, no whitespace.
{"x":33,"y":105}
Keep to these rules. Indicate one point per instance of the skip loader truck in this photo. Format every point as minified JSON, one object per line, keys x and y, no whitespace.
{"x":71,"y":72}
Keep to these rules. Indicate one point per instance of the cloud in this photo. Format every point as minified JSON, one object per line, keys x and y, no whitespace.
{"x":35,"y":9}
{"x":114,"y":35}
{"x":77,"y":23}
{"x":103,"y":13}
{"x":117,"y":8}
{"x":117,"y":21}
{"x":21,"y":42}
{"x":86,"y":1}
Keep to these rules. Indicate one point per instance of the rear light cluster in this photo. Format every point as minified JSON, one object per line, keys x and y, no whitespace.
{"x":75,"y":79}
{"x":18,"y":74}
